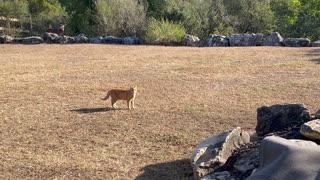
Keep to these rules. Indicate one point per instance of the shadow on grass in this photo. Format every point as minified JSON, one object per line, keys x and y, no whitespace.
{"x":180,"y":169}
{"x":315,"y":53}
{"x":91,"y":110}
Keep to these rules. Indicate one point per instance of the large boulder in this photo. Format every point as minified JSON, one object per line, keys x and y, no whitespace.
{"x":96,"y":40}
{"x":287,"y":159}
{"x":246,"y":39}
{"x":6,"y":39}
{"x":274,"y":39}
{"x":81,"y":38}
{"x":216,"y":40}
{"x":224,"y":175}
{"x":311,"y":129}
{"x":1,"y":39}
{"x":112,"y":40}
{"x":131,"y":40}
{"x":280,"y":116}
{"x":17,"y":40}
{"x":317,"y":115}
{"x":67,"y":40}
{"x":50,"y":37}
{"x":213,"y":152}
{"x":316,"y":44}
{"x":296,"y":42}
{"x":190,"y":40}
{"x":32,"y":40}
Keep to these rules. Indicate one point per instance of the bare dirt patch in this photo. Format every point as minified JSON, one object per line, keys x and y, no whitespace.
{"x":54,"y":125}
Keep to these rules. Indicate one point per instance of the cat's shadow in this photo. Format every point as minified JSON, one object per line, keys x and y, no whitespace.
{"x":92,"y":110}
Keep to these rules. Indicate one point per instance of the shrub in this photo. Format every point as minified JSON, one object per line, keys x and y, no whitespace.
{"x":120,"y":17}
{"x":164,"y":32}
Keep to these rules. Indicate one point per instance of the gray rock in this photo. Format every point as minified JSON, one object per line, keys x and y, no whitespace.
{"x":287,"y":159}
{"x":112,"y":40}
{"x":316,"y":44}
{"x":81,"y":38}
{"x":213,"y":152}
{"x":67,"y":40}
{"x":296,"y":42}
{"x":274,"y":39}
{"x":317,"y":115}
{"x":50,"y":37}
{"x":32,"y":40}
{"x":280,"y":116}
{"x":224,"y":175}
{"x":17,"y":40}
{"x":246,"y":39}
{"x":131,"y":40}
{"x":190,"y":40}
{"x":216,"y":40}
{"x":311,"y":129}
{"x":96,"y":40}
{"x":247,"y":161}
{"x":6,"y":39}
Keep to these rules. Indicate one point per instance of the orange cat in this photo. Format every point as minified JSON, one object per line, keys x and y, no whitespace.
{"x":119,"y":94}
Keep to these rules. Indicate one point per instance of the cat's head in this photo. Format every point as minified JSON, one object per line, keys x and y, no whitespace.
{"x":133,"y":89}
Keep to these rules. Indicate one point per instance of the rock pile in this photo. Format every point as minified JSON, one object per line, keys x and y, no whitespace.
{"x":213,"y":40}
{"x":283,"y":147}
{"x":274,"y":39}
{"x":53,"y":38}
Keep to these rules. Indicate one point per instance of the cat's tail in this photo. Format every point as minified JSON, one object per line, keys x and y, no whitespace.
{"x":108,"y":95}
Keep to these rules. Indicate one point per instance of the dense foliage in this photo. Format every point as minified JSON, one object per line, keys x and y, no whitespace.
{"x":292,"y":18}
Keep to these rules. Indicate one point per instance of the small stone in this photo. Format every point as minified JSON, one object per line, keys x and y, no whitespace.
{"x":247,"y":161}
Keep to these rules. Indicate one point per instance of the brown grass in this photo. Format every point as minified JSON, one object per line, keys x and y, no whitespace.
{"x":54,"y":125}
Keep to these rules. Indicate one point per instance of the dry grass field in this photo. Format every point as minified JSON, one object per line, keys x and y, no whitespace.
{"x":54,"y":125}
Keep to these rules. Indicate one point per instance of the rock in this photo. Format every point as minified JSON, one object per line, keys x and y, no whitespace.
{"x":81,"y":38}
{"x":112,"y":40}
{"x":216,"y":40}
{"x":317,"y":115}
{"x":287,"y":159}
{"x":96,"y":40}
{"x":190,"y":40}
{"x":246,"y":39}
{"x":274,"y":39}
{"x":247,"y":161}
{"x":131,"y":40}
{"x":1,"y":39}
{"x":17,"y":40}
{"x":280,"y":116}
{"x":69,"y":40}
{"x":311,"y":129}
{"x":50,"y":37}
{"x":316,"y":44}
{"x":296,"y":42}
{"x":224,"y":175}
{"x":6,"y":39}
{"x":32,"y":40}
{"x":213,"y":152}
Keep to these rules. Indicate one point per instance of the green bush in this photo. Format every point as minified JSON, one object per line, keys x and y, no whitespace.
{"x":164,"y":32}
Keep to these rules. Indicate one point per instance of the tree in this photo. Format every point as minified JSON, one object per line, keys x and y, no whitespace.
{"x":251,"y":16}
{"x":82,"y":15}
{"x":43,"y":14}
{"x":13,"y":13}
